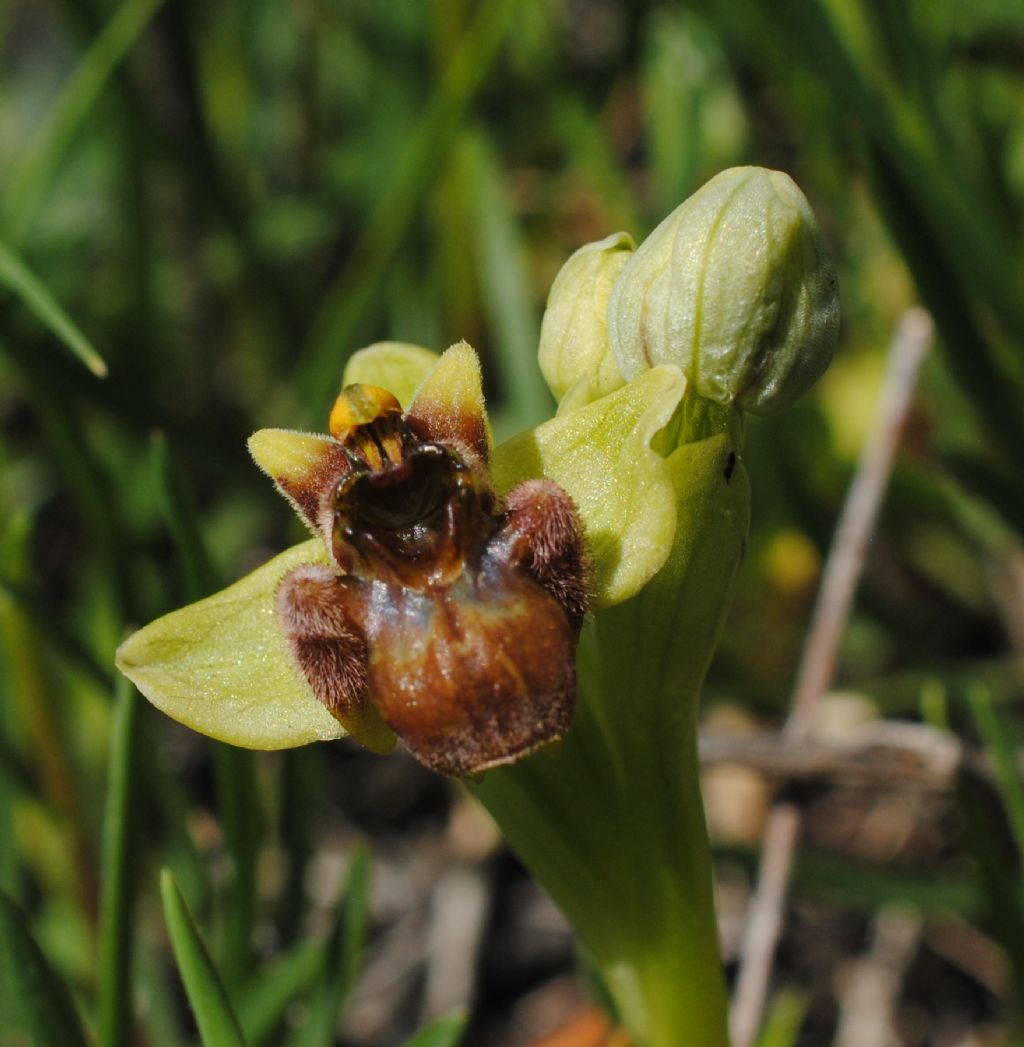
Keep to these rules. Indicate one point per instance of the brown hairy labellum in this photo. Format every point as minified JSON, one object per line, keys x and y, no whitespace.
{"x":447,"y":614}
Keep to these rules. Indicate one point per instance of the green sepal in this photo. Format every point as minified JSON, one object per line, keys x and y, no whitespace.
{"x":601,"y":455}
{"x":398,"y":367}
{"x":222,"y":666}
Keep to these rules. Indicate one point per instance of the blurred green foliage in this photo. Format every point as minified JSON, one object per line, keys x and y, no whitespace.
{"x":223,"y":201}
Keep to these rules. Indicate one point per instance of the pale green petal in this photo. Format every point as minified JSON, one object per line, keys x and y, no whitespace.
{"x":222,"y":667}
{"x":396,"y":366}
{"x":623,"y":490}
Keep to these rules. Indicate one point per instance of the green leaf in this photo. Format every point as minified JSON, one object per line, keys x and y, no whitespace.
{"x":36,"y":165}
{"x":115,"y":981}
{"x":997,"y":744}
{"x":222,"y":666}
{"x":998,"y":871}
{"x":177,"y":507}
{"x":353,"y":294}
{"x":592,"y":160}
{"x":218,"y":1026}
{"x":782,"y":1026}
{"x":17,"y":276}
{"x":38,"y":1002}
{"x":51,"y":628}
{"x":504,"y":281}
{"x":265,"y":999}
{"x":445,"y":1032}
{"x":343,"y":956}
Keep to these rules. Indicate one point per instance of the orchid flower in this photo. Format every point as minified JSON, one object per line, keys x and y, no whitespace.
{"x":538,"y":617}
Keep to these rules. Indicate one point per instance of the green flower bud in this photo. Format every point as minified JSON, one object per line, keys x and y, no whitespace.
{"x":737,"y":289}
{"x":574,"y":355}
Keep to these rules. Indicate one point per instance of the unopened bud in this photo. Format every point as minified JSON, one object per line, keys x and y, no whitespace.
{"x":574,"y":356}
{"x":737,"y":289}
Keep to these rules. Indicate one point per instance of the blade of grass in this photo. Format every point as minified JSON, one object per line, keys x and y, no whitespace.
{"x":444,"y":1032}
{"x":49,"y":746}
{"x":163,"y":1017}
{"x":265,"y":999}
{"x":38,"y":1002}
{"x":863,"y":888}
{"x":302,"y":791}
{"x":999,"y":881}
{"x":16,"y":275}
{"x":88,"y":480}
{"x":10,"y":864}
{"x":343,"y":956}
{"x":36,"y":166}
{"x":197,"y":150}
{"x":115,"y":967}
{"x":1004,"y":759}
{"x":782,"y":1026}
{"x":966,"y":348}
{"x":49,"y":626}
{"x":215,"y":1017}
{"x":178,"y":510}
{"x":14,"y":775}
{"x":353,"y":294}
{"x":504,"y":280}
{"x":672,"y":95}
{"x":234,"y":769}
{"x":974,"y":244}
{"x":235,"y":781}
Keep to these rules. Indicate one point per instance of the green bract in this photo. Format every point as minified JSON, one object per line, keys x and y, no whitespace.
{"x":222,"y":667}
{"x":736,"y":288}
{"x":601,"y":454}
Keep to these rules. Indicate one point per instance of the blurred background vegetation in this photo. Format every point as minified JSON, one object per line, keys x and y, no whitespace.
{"x":222,"y":202}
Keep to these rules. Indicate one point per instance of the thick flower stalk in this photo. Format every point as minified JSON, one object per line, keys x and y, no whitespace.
{"x":448,"y":582}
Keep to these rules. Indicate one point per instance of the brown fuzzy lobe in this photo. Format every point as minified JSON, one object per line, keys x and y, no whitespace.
{"x":545,"y":536}
{"x":326,"y":643}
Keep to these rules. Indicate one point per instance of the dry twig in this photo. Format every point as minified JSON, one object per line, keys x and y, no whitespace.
{"x":880,"y":755}
{"x":817,"y":666}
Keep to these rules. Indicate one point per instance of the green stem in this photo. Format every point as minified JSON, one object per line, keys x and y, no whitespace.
{"x":611,"y":822}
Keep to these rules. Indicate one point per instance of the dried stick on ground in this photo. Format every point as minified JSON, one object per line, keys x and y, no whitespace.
{"x":880,"y":755}
{"x":817,"y":666}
